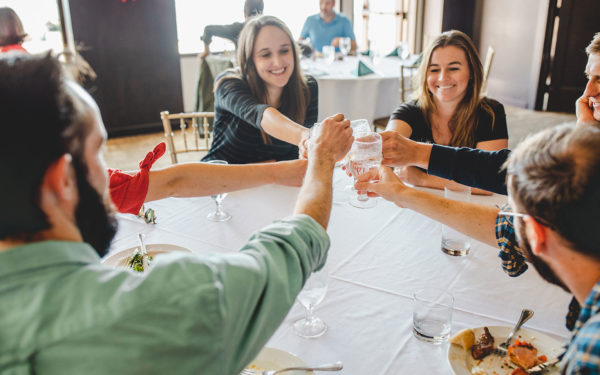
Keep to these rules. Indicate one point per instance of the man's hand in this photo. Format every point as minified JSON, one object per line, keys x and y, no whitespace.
{"x":399,"y":151}
{"x":336,"y":42}
{"x":388,"y":186}
{"x":333,"y":141}
{"x":289,"y":173}
{"x":584,"y":110}
{"x":303,"y":145}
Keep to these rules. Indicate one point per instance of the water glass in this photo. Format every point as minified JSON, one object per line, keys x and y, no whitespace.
{"x":454,"y":242}
{"x":363,"y":162}
{"x":345,"y":45}
{"x":432,"y":315}
{"x":218,"y":214}
{"x":403,"y":51}
{"x":311,"y":295}
{"x":329,"y":54}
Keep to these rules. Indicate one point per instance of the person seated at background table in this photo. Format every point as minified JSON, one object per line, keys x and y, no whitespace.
{"x":232,"y":31}
{"x":552,"y":180}
{"x":327,"y":27}
{"x":129,"y":190}
{"x":263,"y":109}
{"x":63,"y":312}
{"x":12,"y":34}
{"x":449,"y":109}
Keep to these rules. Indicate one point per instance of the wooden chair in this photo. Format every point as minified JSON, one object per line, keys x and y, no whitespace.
{"x":489,"y":57}
{"x":189,"y":130}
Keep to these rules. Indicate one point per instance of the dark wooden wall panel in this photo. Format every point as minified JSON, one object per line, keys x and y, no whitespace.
{"x":132,"y":46}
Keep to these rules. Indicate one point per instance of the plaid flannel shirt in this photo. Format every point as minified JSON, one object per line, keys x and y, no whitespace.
{"x":583,"y":353}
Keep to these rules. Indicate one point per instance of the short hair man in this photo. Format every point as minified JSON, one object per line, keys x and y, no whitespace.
{"x":327,"y":27}
{"x":62,"y":312}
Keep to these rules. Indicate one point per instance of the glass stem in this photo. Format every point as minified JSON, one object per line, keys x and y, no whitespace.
{"x":218,"y":207}
{"x":309,"y":313}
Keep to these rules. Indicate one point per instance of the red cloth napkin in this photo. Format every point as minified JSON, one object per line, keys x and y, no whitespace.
{"x":128,"y":192}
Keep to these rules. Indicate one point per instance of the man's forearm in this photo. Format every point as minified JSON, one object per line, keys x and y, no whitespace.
{"x":314,"y":199}
{"x":474,"y":220}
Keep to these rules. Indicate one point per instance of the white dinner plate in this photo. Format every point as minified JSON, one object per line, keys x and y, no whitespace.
{"x":120,"y":258}
{"x":462,"y":362}
{"x":276,"y":359}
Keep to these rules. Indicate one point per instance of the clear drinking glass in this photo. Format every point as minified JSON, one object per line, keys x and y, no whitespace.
{"x":219,"y":214}
{"x":454,"y":242}
{"x":329,"y":54}
{"x":311,"y":295}
{"x":345,"y":46}
{"x":432,"y":315}
{"x":403,"y":51}
{"x":363,"y":162}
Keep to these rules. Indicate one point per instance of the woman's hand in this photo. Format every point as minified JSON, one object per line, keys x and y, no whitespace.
{"x":410,"y":175}
{"x":387,"y":185}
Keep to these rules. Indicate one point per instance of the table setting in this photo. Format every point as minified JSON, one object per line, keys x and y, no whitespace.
{"x":390,"y":299}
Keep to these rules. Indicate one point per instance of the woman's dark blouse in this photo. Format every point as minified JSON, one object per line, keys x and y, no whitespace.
{"x":237,"y":131}
{"x":413,"y":116}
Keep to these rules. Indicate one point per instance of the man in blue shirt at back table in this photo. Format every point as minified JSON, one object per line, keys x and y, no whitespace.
{"x":327,"y":27}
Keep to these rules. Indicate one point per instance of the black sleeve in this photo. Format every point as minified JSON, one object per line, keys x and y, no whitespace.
{"x":312,"y":111}
{"x":233,"y":96}
{"x":410,"y":113}
{"x":230,"y":32}
{"x":485,"y":131}
{"x":470,"y":166}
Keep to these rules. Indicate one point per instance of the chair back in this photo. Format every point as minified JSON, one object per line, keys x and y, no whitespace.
{"x":189,"y":130}
{"x":489,"y":57}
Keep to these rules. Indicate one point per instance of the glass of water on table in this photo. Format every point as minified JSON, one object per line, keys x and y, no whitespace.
{"x":218,"y":214}
{"x":432,"y":314}
{"x":311,"y":295}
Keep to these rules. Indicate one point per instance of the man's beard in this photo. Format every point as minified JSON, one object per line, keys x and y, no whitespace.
{"x":540,"y":266}
{"x":95,"y":219}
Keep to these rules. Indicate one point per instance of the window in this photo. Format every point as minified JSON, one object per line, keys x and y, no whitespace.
{"x":41,"y":22}
{"x":193,"y":15}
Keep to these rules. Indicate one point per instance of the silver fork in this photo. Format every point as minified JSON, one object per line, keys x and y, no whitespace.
{"x":331,"y":367}
{"x":502,"y":349}
{"x":543,"y":366}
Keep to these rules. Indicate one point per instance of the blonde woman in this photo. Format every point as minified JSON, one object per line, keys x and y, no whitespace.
{"x":263,"y":109}
{"x":449,"y":109}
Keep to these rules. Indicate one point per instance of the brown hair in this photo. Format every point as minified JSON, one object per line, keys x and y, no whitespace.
{"x":465,"y":120}
{"x":554,"y":176}
{"x":295,"y":95}
{"x":11,"y":28}
{"x":594,"y":46}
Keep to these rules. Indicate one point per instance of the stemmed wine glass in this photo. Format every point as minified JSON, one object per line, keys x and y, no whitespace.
{"x":364,"y":160}
{"x":311,"y":295}
{"x":345,"y":45}
{"x":219,"y":214}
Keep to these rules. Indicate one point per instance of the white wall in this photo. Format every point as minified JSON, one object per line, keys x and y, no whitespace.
{"x":515,"y":28}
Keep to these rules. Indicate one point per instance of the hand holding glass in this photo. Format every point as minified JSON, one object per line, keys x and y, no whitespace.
{"x":311,"y":295}
{"x":219,"y":214}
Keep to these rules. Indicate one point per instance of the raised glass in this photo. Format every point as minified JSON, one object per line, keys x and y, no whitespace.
{"x":363,"y":162}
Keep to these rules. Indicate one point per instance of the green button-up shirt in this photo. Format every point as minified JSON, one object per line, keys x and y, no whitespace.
{"x":63,"y":312}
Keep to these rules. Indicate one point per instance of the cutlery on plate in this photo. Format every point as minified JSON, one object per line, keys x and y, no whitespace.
{"x":543,"y":366}
{"x":330,"y":367}
{"x":502,"y":349}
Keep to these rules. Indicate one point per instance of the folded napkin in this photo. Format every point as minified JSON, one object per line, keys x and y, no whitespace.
{"x":362,"y":69}
{"x":128,"y":192}
{"x":393,"y":53}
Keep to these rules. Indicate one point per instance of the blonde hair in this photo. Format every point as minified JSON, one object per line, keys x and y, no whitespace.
{"x":465,"y":120}
{"x":594,"y":46}
{"x":295,"y":95}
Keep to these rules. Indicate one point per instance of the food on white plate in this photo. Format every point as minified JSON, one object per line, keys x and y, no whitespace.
{"x":484,"y":345}
{"x":524,"y":355}
{"x":464,"y":339}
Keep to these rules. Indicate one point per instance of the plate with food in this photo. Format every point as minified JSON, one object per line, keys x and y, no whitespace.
{"x":276,"y":359}
{"x":471,"y":351}
{"x":132,"y":257}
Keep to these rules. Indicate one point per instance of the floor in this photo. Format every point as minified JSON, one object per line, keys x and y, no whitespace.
{"x":126,"y":152}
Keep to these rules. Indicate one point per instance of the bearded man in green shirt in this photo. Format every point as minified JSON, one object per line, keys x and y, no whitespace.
{"x":63,"y":312}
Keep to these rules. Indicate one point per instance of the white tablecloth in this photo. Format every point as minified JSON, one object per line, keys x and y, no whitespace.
{"x":378,"y":257}
{"x":370,"y":97}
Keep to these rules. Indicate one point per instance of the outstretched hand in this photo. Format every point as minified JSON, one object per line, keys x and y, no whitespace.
{"x":387,"y":185}
{"x":333,"y":140}
{"x":399,"y":151}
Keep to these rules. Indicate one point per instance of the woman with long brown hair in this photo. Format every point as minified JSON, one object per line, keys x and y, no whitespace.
{"x":449,"y":109}
{"x":263,"y":108}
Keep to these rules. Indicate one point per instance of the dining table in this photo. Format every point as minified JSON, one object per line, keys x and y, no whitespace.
{"x":379,"y":257}
{"x":370,"y":96}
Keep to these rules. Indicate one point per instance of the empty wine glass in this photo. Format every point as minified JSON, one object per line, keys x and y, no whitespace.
{"x":345,"y":45}
{"x":329,"y":54}
{"x":364,"y":160}
{"x":311,"y":295}
{"x":219,"y":214}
